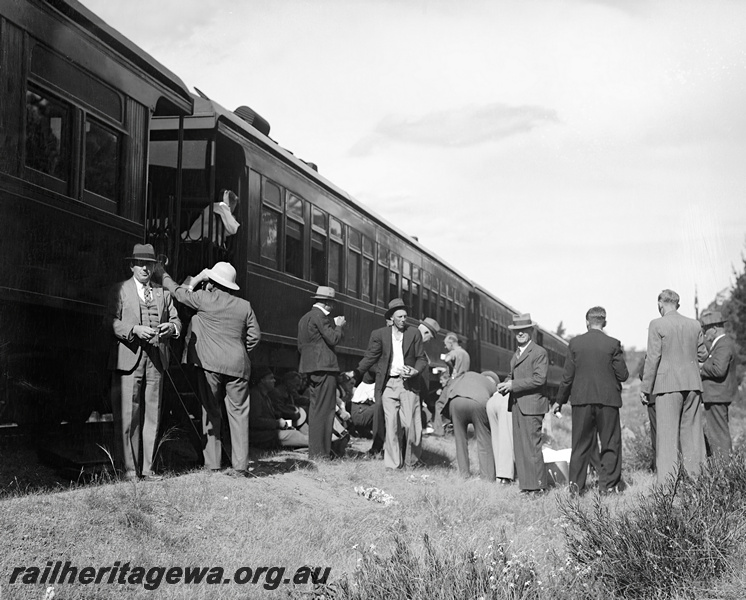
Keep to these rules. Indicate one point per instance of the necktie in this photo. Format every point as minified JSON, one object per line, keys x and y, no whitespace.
{"x":148,"y":294}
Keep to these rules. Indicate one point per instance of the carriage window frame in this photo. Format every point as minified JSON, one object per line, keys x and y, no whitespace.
{"x":367,"y":293}
{"x":46,"y":178}
{"x":354,"y":261}
{"x":294,"y":229}
{"x":109,"y":203}
{"x":319,"y":246}
{"x":335,"y":266}
{"x":274,"y":210}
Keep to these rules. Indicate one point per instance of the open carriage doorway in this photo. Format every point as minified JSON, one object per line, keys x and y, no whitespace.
{"x":197,"y":205}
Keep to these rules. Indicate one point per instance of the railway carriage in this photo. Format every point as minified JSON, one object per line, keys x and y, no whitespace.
{"x":102,"y":147}
{"x":74,"y":120}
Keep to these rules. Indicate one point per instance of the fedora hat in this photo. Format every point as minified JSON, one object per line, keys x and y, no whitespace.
{"x":712,"y":318}
{"x":224,"y":274}
{"x":394,"y":305}
{"x":324,"y":292}
{"x":522,"y":322}
{"x":143,"y":252}
{"x":432,"y":325}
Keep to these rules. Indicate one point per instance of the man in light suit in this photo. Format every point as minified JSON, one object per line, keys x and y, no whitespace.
{"x":592,"y":380}
{"x":719,"y":385}
{"x":318,"y":334}
{"x":467,"y":400}
{"x":397,"y":355}
{"x":528,"y":403}
{"x":221,"y":334}
{"x":676,"y":345}
{"x":143,"y":318}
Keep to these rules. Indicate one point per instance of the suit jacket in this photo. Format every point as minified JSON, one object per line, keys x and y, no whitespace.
{"x":123,"y":313}
{"x":379,"y":355}
{"x":676,"y":346}
{"x":719,"y":373}
{"x":221,"y":333}
{"x":529,"y":375}
{"x":594,"y":370}
{"x":317,"y":337}
{"x":472,"y":385}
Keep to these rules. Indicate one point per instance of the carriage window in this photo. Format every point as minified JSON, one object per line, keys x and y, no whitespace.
{"x":416,"y":300}
{"x":336,"y":255}
{"x":294,"y":248}
{"x":271,"y":194}
{"x":102,"y":151}
{"x":48,"y":135}
{"x":269,"y":235}
{"x":426,"y":312}
{"x":366,"y":273}
{"x":271,"y":223}
{"x":354,"y":260}
{"x":294,"y":236}
{"x":318,"y":246}
{"x":393,"y":285}
{"x":405,"y":295}
{"x":381,"y":289}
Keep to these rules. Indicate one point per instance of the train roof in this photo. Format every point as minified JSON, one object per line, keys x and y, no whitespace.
{"x":211,"y":111}
{"x":180,"y":97}
{"x":208,"y":109}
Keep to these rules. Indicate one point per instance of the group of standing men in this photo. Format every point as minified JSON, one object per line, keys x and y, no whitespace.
{"x":222,"y":332}
{"x":687,"y":385}
{"x":507,"y":416}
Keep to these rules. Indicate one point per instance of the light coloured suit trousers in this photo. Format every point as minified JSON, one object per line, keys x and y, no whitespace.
{"x":403,"y":416}
{"x":501,"y":429}
{"x":679,"y":428}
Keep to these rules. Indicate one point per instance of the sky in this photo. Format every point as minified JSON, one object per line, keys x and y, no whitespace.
{"x":563,"y":154}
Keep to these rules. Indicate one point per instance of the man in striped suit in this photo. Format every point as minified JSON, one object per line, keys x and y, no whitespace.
{"x":142,"y":318}
{"x":671,"y":375}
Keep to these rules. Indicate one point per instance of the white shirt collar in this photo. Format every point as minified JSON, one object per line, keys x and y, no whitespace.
{"x":715,"y":341}
{"x":321,"y":308}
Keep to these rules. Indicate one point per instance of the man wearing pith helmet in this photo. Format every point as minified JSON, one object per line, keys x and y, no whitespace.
{"x":221,"y":334}
{"x":318,"y":334}
{"x":528,"y":403}
{"x":143,"y":318}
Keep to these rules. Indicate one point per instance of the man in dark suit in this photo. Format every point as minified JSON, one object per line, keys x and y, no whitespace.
{"x":528,"y":403}
{"x":594,"y":372}
{"x":676,"y":346}
{"x":221,"y":334}
{"x":142,"y":318}
{"x":318,"y":334}
{"x":397,"y":356}
{"x":719,"y":385}
{"x":467,"y":399}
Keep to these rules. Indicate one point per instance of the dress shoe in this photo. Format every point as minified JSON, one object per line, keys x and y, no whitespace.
{"x":152,"y":477}
{"x":504,"y":481}
{"x":374,"y":453}
{"x":236,"y":473}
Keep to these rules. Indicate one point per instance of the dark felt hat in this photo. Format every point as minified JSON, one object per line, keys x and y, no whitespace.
{"x":394,"y":305}
{"x":143,"y":252}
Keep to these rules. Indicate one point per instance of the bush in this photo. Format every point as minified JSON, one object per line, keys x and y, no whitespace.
{"x":637,"y":449}
{"x":675,"y":540}
{"x":437,"y":575}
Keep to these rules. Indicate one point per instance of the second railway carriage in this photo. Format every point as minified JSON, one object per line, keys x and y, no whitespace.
{"x":297,"y":230}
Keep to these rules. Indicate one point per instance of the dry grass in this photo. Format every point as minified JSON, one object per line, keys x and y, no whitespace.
{"x":293,"y":513}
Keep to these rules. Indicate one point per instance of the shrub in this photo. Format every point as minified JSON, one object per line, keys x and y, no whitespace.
{"x":674,"y":540}
{"x":436,"y":575}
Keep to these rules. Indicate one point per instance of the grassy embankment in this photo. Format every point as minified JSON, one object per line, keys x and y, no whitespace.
{"x":443,"y":537}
